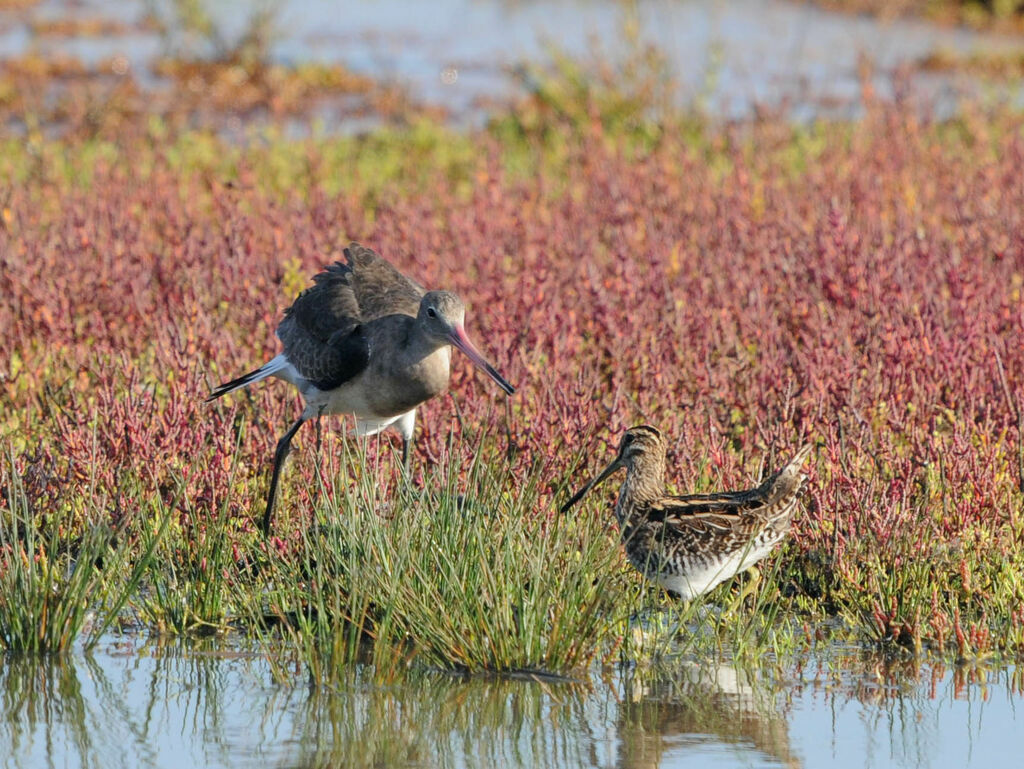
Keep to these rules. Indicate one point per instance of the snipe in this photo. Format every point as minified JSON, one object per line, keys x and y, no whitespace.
{"x":690,"y":543}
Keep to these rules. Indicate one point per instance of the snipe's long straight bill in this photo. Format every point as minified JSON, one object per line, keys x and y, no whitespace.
{"x":459,"y":339}
{"x":615,"y":465}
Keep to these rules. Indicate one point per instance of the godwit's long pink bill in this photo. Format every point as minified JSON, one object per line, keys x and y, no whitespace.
{"x":368,"y":341}
{"x":459,"y":339}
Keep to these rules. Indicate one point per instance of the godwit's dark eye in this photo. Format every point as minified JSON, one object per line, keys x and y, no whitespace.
{"x":431,"y":312}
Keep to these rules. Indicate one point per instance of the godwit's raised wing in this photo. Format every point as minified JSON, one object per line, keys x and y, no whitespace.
{"x":365,"y":340}
{"x":322,"y":331}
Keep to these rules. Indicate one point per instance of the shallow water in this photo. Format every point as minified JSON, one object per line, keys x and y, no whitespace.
{"x":211,"y":704}
{"x":729,"y":57}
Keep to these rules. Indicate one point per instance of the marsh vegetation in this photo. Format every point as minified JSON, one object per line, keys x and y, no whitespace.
{"x":743,"y":285}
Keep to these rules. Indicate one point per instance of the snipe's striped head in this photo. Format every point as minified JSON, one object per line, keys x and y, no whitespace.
{"x":637,"y":442}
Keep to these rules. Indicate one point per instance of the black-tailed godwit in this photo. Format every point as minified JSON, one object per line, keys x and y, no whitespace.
{"x":368,"y":341}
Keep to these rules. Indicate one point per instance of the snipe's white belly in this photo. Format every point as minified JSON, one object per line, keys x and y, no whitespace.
{"x":698,"y":579}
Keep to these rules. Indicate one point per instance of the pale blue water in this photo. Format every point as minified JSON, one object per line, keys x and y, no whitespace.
{"x":211,"y":705}
{"x":728,"y":56}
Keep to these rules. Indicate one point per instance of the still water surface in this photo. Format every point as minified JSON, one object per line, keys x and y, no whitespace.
{"x":210,"y":704}
{"x":728,"y":56}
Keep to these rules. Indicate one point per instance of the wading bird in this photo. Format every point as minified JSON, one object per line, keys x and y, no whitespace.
{"x":365,"y":340}
{"x":688,"y":544}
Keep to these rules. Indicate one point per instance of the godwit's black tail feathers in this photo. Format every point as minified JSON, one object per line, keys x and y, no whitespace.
{"x":234,"y":384}
{"x":268,"y":369}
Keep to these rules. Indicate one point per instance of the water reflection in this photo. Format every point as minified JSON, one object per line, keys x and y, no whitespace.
{"x":693,"y":707}
{"x":205,"y":705}
{"x":42,"y":698}
{"x":906,"y":712}
{"x":123,"y":705}
{"x":213,"y":704}
{"x":434,"y":720}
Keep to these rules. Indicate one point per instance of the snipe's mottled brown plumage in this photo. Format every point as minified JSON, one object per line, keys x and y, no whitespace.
{"x":688,"y":544}
{"x":365,"y":340}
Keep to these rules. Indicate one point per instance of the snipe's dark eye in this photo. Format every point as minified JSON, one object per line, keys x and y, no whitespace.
{"x":431,"y":312}
{"x":628,"y":439}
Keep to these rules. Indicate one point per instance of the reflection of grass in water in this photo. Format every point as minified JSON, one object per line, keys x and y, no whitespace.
{"x":212,"y":697}
{"x":426,"y":717}
{"x":194,"y":693}
{"x":43,"y":692}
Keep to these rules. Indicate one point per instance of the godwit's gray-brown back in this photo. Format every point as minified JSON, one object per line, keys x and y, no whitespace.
{"x":368,"y":341}
{"x":689,"y":544}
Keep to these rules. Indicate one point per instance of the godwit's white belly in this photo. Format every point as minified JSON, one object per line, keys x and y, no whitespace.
{"x":350,"y":398}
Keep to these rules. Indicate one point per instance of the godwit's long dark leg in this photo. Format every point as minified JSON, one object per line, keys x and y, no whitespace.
{"x":280,"y":453}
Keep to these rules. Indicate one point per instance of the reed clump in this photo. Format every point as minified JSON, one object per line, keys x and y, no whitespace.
{"x":62,"y":574}
{"x":468,"y":573}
